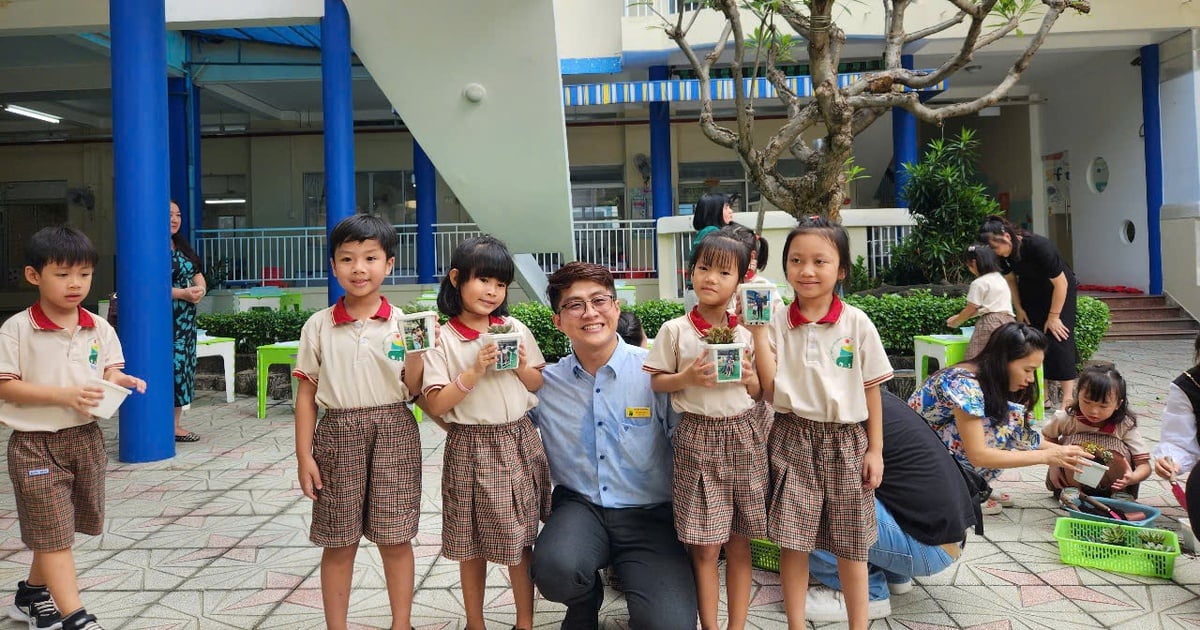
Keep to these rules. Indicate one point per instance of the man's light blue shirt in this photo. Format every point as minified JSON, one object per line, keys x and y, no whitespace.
{"x":607,"y":437}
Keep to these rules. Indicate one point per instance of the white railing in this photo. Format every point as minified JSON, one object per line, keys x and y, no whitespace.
{"x":298,"y":256}
{"x":646,"y":8}
{"x":880,"y":241}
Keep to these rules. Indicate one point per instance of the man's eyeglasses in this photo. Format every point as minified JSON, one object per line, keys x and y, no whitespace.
{"x":576,"y":308}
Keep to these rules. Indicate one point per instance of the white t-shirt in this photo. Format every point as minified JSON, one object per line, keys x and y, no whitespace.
{"x":990,"y":292}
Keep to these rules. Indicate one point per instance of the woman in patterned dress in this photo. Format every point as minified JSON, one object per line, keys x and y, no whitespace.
{"x":187,"y":289}
{"x":981,"y":408}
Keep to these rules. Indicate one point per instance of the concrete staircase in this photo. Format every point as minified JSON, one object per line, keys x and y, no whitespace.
{"x":1146,"y":317}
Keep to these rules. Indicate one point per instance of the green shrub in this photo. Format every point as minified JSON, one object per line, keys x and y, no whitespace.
{"x":899,"y":318}
{"x":255,"y":328}
{"x":654,"y":313}
{"x":540,"y":320}
{"x":859,"y":279}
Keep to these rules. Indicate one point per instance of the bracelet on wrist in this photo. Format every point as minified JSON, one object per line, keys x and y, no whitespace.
{"x":461,"y":386}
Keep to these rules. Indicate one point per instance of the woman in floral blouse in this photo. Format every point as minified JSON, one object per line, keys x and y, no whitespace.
{"x":981,"y":409}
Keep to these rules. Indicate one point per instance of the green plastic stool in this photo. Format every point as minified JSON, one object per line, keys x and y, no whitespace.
{"x":950,"y":349}
{"x":276,"y":353}
{"x":291,"y":302}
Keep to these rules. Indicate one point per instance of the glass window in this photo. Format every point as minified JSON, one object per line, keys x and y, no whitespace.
{"x":597,"y":192}
{"x":389,"y":194}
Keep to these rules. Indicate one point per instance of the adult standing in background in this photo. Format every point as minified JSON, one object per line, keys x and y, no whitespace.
{"x":1044,"y":295}
{"x":187,"y":289}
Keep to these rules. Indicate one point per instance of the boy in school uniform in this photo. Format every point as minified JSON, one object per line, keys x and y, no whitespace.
{"x":51,"y":355}
{"x":361,"y":465}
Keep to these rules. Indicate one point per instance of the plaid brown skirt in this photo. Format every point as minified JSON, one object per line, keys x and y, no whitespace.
{"x":721,"y":478}
{"x":370,"y":464}
{"x":818,"y":499}
{"x":984,"y":327}
{"x":58,"y":479}
{"x":495,"y":489}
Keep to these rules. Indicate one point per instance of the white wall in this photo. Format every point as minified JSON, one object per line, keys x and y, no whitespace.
{"x":1095,"y":111}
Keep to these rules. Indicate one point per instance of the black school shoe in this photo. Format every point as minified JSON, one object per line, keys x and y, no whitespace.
{"x":81,"y":620}
{"x":34,"y":606}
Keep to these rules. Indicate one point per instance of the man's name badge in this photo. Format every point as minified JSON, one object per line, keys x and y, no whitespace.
{"x":637,"y":412}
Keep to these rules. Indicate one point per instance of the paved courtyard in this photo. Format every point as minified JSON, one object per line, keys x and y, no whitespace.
{"x":217,"y":538}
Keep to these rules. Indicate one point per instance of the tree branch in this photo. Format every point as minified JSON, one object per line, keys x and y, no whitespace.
{"x":894,"y":39}
{"x":971,"y":8}
{"x":799,"y":22}
{"x":935,"y":29}
{"x":718,"y":134}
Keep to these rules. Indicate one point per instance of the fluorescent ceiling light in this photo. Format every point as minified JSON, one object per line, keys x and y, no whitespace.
{"x":224,"y":201}
{"x":31,"y":113}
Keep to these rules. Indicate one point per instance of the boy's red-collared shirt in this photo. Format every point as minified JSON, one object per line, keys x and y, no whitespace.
{"x":343,"y":316}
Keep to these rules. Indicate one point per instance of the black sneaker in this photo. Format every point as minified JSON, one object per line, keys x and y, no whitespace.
{"x":34,"y":606}
{"x":81,"y":620}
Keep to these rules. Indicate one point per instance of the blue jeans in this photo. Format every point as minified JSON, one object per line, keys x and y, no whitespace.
{"x":896,"y":557}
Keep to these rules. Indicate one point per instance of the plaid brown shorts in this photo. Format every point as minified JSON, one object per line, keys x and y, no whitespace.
{"x":370,"y":464}
{"x":721,"y":478}
{"x":818,"y":500}
{"x":58,"y":479}
{"x":495,"y":489}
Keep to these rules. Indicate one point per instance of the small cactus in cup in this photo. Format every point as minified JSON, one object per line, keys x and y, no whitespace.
{"x":500,"y":329}
{"x":718,"y":335}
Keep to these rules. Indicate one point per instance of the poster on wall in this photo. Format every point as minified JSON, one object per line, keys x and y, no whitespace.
{"x":639,"y":202}
{"x":1056,"y":171}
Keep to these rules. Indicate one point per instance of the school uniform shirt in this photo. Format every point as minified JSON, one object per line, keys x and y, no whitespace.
{"x":354,"y":363}
{"x":1065,"y":424}
{"x":36,"y":350}
{"x":823,"y":366}
{"x":499,"y":397}
{"x":678,"y":344}
{"x":991,"y":293}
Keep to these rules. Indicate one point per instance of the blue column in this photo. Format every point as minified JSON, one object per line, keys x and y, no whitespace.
{"x":338,"y":107}
{"x":139,"y":93}
{"x":661,"y":186}
{"x":1152,"y":122}
{"x":904,"y":142}
{"x":177,"y":117}
{"x":426,"y":180}
{"x":196,"y":176}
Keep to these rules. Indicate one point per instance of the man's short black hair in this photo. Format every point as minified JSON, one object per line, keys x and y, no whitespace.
{"x":364,"y":227}
{"x":63,"y":245}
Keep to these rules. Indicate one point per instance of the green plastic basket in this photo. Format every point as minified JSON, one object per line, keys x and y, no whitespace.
{"x":764,"y":554}
{"x":1076,"y":547}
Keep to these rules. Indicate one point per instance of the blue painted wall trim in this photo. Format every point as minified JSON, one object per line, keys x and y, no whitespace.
{"x":590,"y":65}
{"x":661,"y":185}
{"x":339,"y":122}
{"x":904,"y":142}
{"x":426,"y":181}
{"x":1152,"y":122}
{"x":139,"y":93}
{"x":177,"y":120}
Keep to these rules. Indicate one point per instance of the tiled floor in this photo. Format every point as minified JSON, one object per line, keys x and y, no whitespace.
{"x":217,"y":538}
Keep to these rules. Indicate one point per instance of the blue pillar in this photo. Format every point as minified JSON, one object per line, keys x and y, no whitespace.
{"x":196,"y":176}
{"x":338,"y":109}
{"x":139,"y":93}
{"x":661,"y":186}
{"x":904,"y":142}
{"x":1152,"y":123}
{"x":426,"y":180}
{"x":177,"y":117}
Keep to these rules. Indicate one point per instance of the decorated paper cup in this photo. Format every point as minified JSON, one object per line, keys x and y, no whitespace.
{"x":509,"y":345}
{"x":114,"y":395}
{"x":756,"y":303}
{"x":728,"y":359}
{"x":419,"y":331}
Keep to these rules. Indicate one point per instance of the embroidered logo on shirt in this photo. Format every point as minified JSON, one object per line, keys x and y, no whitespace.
{"x":393,"y":346}
{"x":38,"y":472}
{"x":843,"y":353}
{"x":637,"y":412}
{"x":94,"y":354}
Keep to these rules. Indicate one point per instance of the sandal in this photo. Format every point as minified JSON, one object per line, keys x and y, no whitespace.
{"x":1002,"y":498}
{"x":991,"y":508}
{"x":190,"y":437}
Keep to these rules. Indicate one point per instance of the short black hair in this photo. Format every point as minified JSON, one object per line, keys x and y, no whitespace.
{"x":986,"y":260}
{"x":62,"y":245}
{"x":630,"y":328}
{"x":719,"y":248}
{"x":709,"y":210}
{"x":1097,"y":381}
{"x":478,"y":257}
{"x":1011,"y":342}
{"x":364,"y":227}
{"x":577,"y":271}
{"x":833,"y":232}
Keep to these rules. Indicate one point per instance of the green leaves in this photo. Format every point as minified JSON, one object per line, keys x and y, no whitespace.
{"x":255,"y":328}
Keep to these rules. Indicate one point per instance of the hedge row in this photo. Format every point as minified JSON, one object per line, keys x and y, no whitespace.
{"x":898,"y":317}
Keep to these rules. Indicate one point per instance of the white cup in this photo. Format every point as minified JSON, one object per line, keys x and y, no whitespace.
{"x":114,"y":395}
{"x":1092,"y":473}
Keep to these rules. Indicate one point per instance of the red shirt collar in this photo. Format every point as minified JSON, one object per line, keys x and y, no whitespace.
{"x":701,"y":325}
{"x":343,"y":316}
{"x":795,"y":318}
{"x":466,"y":333}
{"x":42,"y":322}
{"x":1104,"y":426}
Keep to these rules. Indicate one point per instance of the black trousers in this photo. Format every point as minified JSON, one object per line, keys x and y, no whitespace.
{"x":580,"y":538}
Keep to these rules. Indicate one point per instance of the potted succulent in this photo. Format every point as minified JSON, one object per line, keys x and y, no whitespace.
{"x":1116,"y":465}
{"x":508,"y":341}
{"x":725,"y":353}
